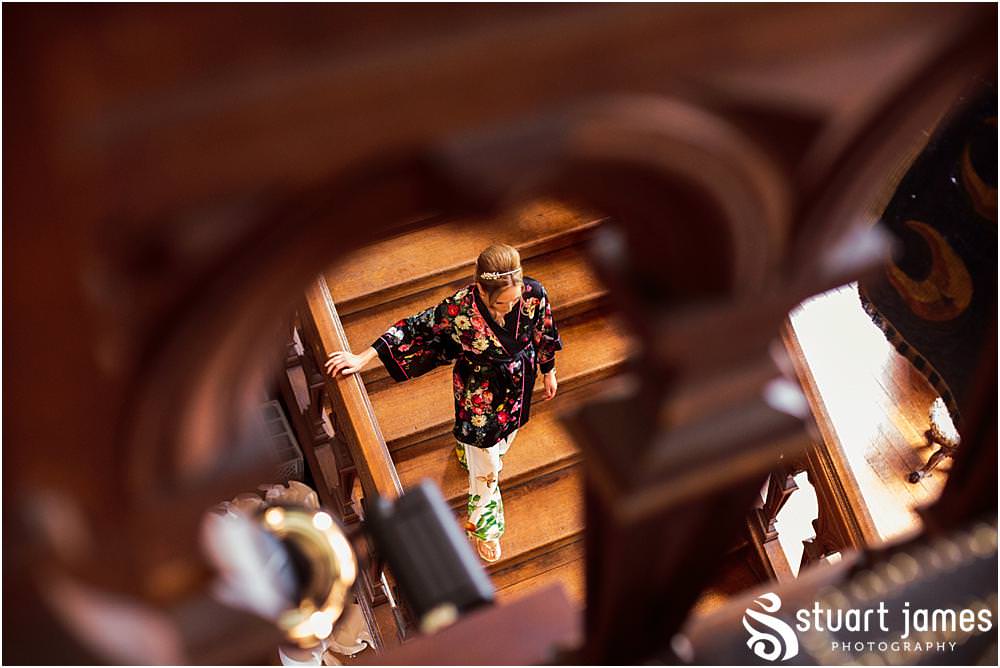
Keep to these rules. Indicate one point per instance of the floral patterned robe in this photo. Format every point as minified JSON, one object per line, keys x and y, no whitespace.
{"x":495,"y":367}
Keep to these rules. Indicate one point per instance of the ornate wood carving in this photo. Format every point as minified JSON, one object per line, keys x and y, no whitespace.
{"x":327,"y":456}
{"x":780,"y":485}
{"x":771,"y":562}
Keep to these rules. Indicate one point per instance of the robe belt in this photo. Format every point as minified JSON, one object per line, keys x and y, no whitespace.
{"x":522,"y":354}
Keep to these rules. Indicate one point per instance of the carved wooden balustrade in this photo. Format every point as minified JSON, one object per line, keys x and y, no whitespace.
{"x":302,"y":385}
{"x":349,"y":438}
{"x":772,"y":563}
{"x":177,"y":184}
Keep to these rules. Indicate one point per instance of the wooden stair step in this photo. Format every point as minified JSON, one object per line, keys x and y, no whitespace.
{"x":542,"y":515}
{"x":543,"y":446}
{"x":566,"y":274}
{"x":438,"y":254}
{"x":421,"y":408}
{"x":564,"y":566}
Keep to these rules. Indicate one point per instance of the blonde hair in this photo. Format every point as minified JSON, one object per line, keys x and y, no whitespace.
{"x":502,"y":266}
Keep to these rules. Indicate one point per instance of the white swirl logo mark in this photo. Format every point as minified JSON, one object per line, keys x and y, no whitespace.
{"x":776,"y":636}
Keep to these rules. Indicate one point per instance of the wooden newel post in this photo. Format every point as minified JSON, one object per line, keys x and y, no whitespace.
{"x":674,"y":461}
{"x":658,"y":530}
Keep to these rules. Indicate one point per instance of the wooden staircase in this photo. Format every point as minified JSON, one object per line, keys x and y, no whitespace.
{"x":541,"y":480}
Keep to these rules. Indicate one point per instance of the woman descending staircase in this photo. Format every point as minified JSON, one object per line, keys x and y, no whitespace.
{"x":541,"y":479}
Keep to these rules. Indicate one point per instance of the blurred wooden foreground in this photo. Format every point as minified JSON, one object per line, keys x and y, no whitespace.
{"x":175,"y":176}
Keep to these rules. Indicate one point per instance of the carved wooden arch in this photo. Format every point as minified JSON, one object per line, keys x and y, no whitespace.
{"x":171,"y":443}
{"x":225,"y":339}
{"x":166,"y":450}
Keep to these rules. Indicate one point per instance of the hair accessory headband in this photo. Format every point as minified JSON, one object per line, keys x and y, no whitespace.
{"x":493,"y":275}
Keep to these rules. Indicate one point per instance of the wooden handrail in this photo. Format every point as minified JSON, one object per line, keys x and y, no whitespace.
{"x":356,"y":421}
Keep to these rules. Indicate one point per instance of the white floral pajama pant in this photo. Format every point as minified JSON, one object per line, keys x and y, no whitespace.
{"x":486,"y":520}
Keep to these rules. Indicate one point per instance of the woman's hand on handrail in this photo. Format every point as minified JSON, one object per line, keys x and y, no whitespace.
{"x":346,"y":362}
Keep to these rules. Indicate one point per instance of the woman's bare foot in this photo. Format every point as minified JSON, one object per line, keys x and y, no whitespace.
{"x":489,"y":550}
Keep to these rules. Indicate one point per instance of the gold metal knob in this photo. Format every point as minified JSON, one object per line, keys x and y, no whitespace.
{"x":332,"y":570}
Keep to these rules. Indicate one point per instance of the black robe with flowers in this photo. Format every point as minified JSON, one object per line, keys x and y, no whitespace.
{"x":495,"y":367}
